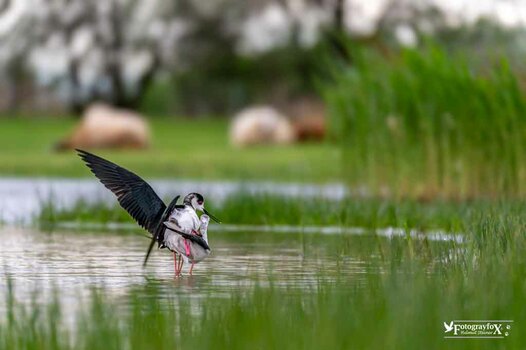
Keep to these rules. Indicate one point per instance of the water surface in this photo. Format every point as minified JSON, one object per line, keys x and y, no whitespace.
{"x":22,"y":198}
{"x":74,"y":263}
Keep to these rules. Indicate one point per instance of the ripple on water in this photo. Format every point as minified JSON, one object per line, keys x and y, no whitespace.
{"x":75,"y":263}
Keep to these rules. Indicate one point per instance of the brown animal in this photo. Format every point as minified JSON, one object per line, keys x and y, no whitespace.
{"x":309,"y":128}
{"x":103,"y":126}
{"x":308,"y":119}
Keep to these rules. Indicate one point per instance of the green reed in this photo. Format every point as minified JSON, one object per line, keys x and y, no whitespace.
{"x":423,"y":123}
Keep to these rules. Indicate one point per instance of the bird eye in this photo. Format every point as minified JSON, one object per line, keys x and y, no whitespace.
{"x":199,"y":202}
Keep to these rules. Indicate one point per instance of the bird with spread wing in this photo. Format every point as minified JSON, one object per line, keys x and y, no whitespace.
{"x":176,"y":227}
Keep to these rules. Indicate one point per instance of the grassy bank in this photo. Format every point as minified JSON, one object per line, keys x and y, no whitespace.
{"x":423,"y":123}
{"x":421,"y":285}
{"x":181,"y":149}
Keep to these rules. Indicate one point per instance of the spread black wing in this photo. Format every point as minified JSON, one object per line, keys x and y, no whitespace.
{"x":158,"y":235}
{"x":133,"y":193}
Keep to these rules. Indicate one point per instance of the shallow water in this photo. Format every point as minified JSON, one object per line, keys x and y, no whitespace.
{"x":74,"y":263}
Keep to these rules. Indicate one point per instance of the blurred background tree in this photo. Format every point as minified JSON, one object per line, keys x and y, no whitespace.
{"x":197,"y":57}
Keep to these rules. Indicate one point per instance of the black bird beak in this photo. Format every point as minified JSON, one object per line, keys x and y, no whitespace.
{"x":211,"y":216}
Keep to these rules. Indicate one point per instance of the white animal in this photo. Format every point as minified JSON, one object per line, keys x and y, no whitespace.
{"x":261,"y":125}
{"x":104,"y":126}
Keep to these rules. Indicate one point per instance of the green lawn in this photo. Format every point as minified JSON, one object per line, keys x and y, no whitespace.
{"x":180,"y":149}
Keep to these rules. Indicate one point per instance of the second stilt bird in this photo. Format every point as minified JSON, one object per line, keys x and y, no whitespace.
{"x":176,"y":226}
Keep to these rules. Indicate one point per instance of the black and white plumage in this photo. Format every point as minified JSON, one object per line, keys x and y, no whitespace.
{"x":138,"y":198}
{"x":176,"y":242}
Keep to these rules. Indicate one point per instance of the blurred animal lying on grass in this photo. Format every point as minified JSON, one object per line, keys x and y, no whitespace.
{"x":104,"y":126}
{"x":265,"y":125}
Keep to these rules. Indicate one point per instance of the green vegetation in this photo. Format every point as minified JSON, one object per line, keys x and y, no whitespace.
{"x":262,"y":209}
{"x":223,"y":82}
{"x":425,"y":124}
{"x":181,"y":149}
{"x":400,"y":301}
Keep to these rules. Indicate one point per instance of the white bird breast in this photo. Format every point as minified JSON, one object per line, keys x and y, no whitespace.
{"x":187,"y":219}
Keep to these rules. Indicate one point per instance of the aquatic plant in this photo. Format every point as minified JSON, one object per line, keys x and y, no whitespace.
{"x":423,"y":123}
{"x":401,"y":300}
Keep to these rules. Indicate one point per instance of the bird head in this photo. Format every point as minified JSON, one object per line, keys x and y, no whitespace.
{"x":197,"y":201}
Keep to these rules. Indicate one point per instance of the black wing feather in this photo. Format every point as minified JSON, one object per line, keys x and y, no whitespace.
{"x":133,"y":193}
{"x":158,"y":235}
{"x":194,"y":238}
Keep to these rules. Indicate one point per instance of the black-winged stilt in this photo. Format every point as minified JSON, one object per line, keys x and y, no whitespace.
{"x":176,"y":227}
